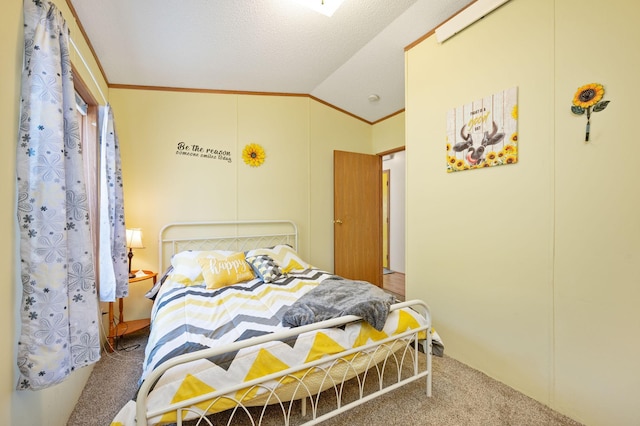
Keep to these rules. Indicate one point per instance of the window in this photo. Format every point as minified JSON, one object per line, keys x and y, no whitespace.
{"x":87,"y":110}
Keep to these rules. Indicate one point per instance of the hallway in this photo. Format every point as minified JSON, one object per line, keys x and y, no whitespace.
{"x":394,"y":283}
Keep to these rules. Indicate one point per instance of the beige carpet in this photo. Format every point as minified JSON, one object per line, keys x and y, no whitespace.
{"x":461,"y":396}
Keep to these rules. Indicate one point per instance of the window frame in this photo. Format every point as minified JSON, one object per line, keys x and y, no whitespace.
{"x":88,"y":124}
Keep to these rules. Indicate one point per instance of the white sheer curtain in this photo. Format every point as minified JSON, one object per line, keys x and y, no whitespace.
{"x":59,"y":310}
{"x":114,"y":268}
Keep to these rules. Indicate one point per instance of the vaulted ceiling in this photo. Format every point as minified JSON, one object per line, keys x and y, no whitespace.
{"x":274,"y":46}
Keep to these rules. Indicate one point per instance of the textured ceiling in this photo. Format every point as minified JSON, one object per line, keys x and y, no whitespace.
{"x":274,"y":46}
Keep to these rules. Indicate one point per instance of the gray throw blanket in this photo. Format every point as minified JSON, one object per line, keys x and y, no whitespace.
{"x":336,"y":297}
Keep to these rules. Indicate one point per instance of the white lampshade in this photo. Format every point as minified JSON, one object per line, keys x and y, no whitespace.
{"x":134,"y":238}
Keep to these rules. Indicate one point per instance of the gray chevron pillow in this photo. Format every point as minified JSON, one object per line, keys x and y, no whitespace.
{"x":265,"y":267}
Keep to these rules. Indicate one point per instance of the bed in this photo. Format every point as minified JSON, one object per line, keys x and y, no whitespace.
{"x":240,"y":321}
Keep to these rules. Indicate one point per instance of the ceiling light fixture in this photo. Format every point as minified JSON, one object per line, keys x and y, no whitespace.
{"x":326,"y":7}
{"x":374,"y":98}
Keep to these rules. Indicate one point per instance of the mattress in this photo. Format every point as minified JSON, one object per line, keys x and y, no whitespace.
{"x":191,"y":318}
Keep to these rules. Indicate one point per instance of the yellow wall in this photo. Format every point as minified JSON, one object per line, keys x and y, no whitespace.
{"x":329,"y":130}
{"x":388,"y":134}
{"x":51,"y":406}
{"x":295,"y":182}
{"x":597,"y":245}
{"x":530,"y":268}
{"x":11,"y":42}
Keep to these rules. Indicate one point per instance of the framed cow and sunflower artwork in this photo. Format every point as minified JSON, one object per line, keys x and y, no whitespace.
{"x":483,"y":133}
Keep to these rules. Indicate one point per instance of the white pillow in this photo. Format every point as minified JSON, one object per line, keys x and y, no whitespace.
{"x":187,"y":269}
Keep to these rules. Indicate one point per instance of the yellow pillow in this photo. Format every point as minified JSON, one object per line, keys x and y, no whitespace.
{"x":187,"y":270}
{"x":220,"y":271}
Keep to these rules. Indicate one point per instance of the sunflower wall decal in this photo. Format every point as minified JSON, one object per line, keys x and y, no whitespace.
{"x":588,"y":99}
{"x":253,"y":154}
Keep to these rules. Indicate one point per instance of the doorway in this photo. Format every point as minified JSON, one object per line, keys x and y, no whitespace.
{"x":393,"y":221}
{"x":358,"y":222}
{"x":357,"y":231}
{"x":386,"y":199}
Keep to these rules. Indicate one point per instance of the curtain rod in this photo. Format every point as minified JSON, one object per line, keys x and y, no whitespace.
{"x":88,"y":69}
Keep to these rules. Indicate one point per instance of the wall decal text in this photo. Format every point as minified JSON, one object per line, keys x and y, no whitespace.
{"x":194,"y":150}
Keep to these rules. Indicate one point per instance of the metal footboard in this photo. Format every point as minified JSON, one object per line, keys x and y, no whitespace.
{"x":374,"y":369}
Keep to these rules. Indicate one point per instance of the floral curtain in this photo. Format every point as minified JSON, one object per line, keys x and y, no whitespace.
{"x":59,"y":315}
{"x":114,"y":267}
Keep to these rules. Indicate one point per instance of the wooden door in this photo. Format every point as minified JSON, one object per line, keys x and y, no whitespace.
{"x":357,"y":183}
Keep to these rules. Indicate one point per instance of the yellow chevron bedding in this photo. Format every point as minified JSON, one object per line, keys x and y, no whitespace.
{"x":189,"y":318}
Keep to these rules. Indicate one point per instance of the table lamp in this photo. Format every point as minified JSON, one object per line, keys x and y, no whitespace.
{"x":134,"y":241}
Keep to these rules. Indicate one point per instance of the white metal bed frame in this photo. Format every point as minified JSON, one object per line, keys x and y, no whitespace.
{"x":226,"y":235}
{"x":398,"y":353}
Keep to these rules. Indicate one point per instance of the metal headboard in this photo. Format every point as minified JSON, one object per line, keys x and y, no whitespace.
{"x":227,"y":235}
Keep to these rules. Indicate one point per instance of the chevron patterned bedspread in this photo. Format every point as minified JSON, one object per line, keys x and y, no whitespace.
{"x":186,"y":319}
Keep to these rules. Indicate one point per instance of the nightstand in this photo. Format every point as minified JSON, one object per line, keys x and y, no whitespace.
{"x":125,"y":327}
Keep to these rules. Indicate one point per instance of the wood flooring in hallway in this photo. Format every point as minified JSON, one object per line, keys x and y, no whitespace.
{"x":394,"y":283}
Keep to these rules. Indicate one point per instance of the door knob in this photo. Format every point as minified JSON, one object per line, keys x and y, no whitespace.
{"x":338,"y":221}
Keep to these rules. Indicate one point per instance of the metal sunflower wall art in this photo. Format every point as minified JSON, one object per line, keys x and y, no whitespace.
{"x":253,"y":155}
{"x":588,"y":99}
